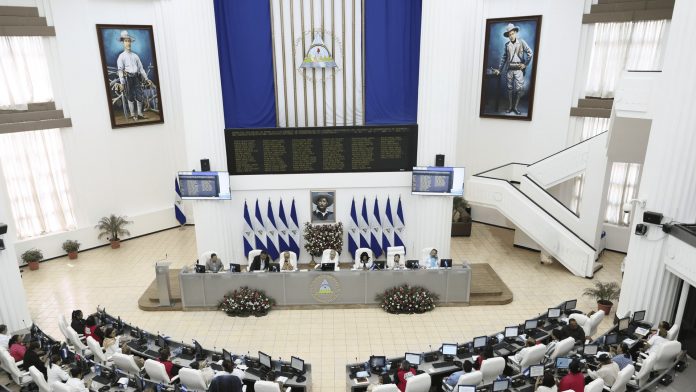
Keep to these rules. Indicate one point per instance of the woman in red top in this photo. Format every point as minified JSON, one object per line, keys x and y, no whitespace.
{"x":573,"y":381}
{"x":164,"y":359}
{"x":91,"y":329}
{"x":16,"y":348}
{"x":405,"y":371}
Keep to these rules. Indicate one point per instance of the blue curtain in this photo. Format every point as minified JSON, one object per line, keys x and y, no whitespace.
{"x":392,"y":50}
{"x":246,"y":62}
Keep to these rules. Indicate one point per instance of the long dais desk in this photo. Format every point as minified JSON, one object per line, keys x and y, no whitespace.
{"x":323,"y":288}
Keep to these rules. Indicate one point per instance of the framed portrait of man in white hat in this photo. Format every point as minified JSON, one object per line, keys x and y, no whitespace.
{"x":323,"y":204}
{"x":510,"y":60}
{"x":131,"y":74}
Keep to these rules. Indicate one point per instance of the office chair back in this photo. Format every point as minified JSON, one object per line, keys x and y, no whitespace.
{"x":592,"y":323}
{"x":60,"y":387}
{"x":665,"y":355}
{"x":595,"y":386}
{"x":126,"y":363}
{"x":20,"y":378}
{"x":673,"y":333}
{"x":192,"y":379}
{"x":38,"y":379}
{"x":250,"y":256}
{"x":266,"y":386}
{"x":643,"y":375}
{"x":356,"y":257}
{"x":418,"y":383}
{"x":623,"y":378}
{"x":473,"y":378}
{"x":534,"y":357}
{"x":77,"y":344}
{"x":156,"y":371}
{"x":96,"y":350}
{"x":563,"y":348}
{"x":293,"y":259}
{"x":393,"y":251}
{"x":386,"y":388}
{"x":491,"y":368}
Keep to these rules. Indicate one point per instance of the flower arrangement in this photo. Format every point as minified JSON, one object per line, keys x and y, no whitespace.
{"x":407,"y":299}
{"x":321,"y":237}
{"x":246,"y":302}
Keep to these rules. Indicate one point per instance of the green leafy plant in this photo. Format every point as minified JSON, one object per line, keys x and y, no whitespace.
{"x":603,"y":292}
{"x":459,"y":206}
{"x":246,"y":302}
{"x":71,"y":246}
{"x":32,"y":255}
{"x":407,"y":299}
{"x":112,"y":227}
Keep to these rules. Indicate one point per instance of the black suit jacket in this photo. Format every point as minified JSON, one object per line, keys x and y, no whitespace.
{"x":228,"y":383}
{"x":31,"y":358}
{"x":256,"y":264}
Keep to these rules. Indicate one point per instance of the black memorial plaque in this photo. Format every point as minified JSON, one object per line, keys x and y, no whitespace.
{"x":382,"y":148}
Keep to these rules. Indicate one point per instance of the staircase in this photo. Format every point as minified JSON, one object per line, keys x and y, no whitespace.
{"x":518,"y":191}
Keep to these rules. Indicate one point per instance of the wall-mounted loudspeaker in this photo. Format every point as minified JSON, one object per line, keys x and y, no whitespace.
{"x":440,"y":160}
{"x":205,"y":165}
{"x":3,"y":228}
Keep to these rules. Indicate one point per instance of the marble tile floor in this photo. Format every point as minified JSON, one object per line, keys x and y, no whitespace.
{"x":328,"y":339}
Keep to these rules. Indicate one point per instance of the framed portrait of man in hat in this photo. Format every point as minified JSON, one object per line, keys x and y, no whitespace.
{"x":131,"y":75}
{"x":323,"y":206}
{"x":510,"y":61}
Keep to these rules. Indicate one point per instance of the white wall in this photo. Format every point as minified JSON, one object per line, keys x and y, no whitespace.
{"x":127,"y":171}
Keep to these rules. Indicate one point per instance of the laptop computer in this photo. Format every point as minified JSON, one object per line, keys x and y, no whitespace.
{"x":274,"y":267}
{"x":328,"y":266}
{"x":412,"y":264}
{"x":378,"y":265}
{"x":235,"y":267}
{"x":200,"y":268}
{"x":445,"y":263}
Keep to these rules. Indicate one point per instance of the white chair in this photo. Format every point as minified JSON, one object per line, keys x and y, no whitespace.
{"x":595,"y":386}
{"x":623,"y":378}
{"x":580,"y":318}
{"x":157,"y":372}
{"x":38,"y":379}
{"x":58,"y":386}
{"x":418,"y":383}
{"x":250,"y":256}
{"x":590,"y":327}
{"x":673,"y":333}
{"x":356,"y":257}
{"x":534,"y":356}
{"x":193,"y":380}
{"x":268,"y":386}
{"x":96,"y":350}
{"x":8,"y":363}
{"x":393,"y":251}
{"x":491,"y":368}
{"x":326,"y":258}
{"x":642,"y":376}
{"x":473,"y":378}
{"x":126,"y":364}
{"x":386,"y":388}
{"x":665,"y":355}
{"x":293,"y":259}
{"x":77,"y":343}
{"x":563,"y":347}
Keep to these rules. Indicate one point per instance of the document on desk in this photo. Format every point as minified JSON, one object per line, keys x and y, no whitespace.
{"x":640,"y":331}
{"x":629,"y":341}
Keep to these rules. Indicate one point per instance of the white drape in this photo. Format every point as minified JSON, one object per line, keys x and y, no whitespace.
{"x":33,"y":164}
{"x":619,"y":46}
{"x":24,"y":76}
{"x":623,"y":186}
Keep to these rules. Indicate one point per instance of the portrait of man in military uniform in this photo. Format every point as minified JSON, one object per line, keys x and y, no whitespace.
{"x":131,"y":75}
{"x":510,"y":58}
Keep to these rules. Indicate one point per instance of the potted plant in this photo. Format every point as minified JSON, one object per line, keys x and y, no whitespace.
{"x":604,"y":293}
{"x":32,"y":257}
{"x":71,"y":247}
{"x":461,"y":218}
{"x":112,"y":227}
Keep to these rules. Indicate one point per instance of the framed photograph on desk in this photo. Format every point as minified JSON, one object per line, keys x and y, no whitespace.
{"x":323,"y":206}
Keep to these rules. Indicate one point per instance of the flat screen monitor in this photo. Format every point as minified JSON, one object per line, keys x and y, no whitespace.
{"x":235,"y":267}
{"x":437,"y":180}
{"x":413,"y":358}
{"x":265,"y":360}
{"x":466,"y":388}
{"x":297,"y":364}
{"x":198,"y":349}
{"x":512,"y":332}
{"x":570,"y":305}
{"x":553,"y":313}
{"x":378,"y":361}
{"x":501,"y":385}
{"x":590,"y":349}
{"x":412,"y":264}
{"x":639,"y":316}
{"x":274,"y":267}
{"x":445,"y":263}
{"x":624,"y":323}
{"x":378,"y":265}
{"x":536,"y":370}
{"x":200,"y":268}
{"x":161,"y":341}
{"x":562,"y":362}
{"x":328,"y":266}
{"x":531,"y":324}
{"x":449,"y":349}
{"x":480,"y":342}
{"x":611,"y":339}
{"x":204,"y":185}
{"x":227,"y":356}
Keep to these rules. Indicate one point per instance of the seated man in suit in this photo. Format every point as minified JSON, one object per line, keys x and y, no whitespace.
{"x":286,"y":264}
{"x":213,"y":264}
{"x":260,"y":262}
{"x":432,"y":261}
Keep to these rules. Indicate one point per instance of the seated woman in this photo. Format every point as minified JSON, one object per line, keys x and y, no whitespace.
{"x":286,"y":263}
{"x":432,"y":261}
{"x":17,"y":348}
{"x":111,"y":343}
{"x":364,"y":260}
{"x":93,"y":330}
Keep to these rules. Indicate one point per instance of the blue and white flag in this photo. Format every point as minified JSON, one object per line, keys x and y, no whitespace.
{"x":178,"y":204}
{"x":283,"y":231}
{"x":259,"y":229}
{"x":248,"y":232}
{"x":353,"y":230}
{"x":387,"y":226}
{"x":294,"y":227}
{"x":364,"y":225}
{"x":376,"y":231}
{"x":271,"y":233}
{"x":399,"y":226}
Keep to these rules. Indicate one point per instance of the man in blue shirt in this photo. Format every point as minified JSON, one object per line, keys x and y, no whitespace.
{"x":623,"y":357}
{"x":454,"y":377}
{"x":432,"y":260}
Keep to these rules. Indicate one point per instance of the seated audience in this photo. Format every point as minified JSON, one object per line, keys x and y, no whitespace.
{"x":32,"y":358}
{"x":206,"y":371}
{"x":287,"y":263}
{"x":467,"y":367}
{"x":93,"y":330}
{"x":260,"y":262}
{"x":623,"y":356}
{"x":364,"y":260}
{"x":75,"y":382}
{"x":521,"y":354}
{"x":574,"y":330}
{"x":397,"y":261}
{"x":432,"y":261}
{"x":77,"y":323}
{"x":556,"y":336}
{"x":4,"y":337}
{"x":229,"y":368}
{"x":111,"y":343}
{"x":17,"y":348}
{"x":656,"y":339}
{"x":213,"y":264}
{"x":403,"y":374}
{"x":574,"y":380}
{"x":608,"y":370}
{"x":126,"y":350}
{"x":546,"y":383}
{"x":164,"y":355}
{"x":55,"y":372}
{"x":487,"y":353}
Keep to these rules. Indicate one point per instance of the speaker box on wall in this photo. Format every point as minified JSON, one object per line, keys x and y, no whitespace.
{"x":440,"y":160}
{"x":205,"y":165}
{"x":3,"y":228}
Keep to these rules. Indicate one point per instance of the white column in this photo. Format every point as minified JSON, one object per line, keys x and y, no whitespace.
{"x":669,"y":180}
{"x":188,"y":31}
{"x":439,"y":105}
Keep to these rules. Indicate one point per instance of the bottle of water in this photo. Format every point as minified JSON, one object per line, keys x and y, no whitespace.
{"x":97,"y":370}
{"x":159,"y":387}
